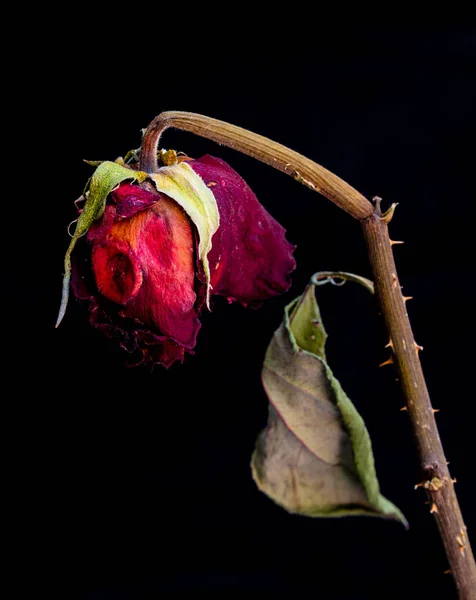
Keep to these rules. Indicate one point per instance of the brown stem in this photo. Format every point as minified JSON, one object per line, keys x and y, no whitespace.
{"x":436,"y":476}
{"x":292,"y":163}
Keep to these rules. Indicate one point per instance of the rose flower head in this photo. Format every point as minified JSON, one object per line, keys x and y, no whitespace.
{"x":156,"y":247}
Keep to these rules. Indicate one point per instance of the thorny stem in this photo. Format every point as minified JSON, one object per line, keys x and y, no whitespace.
{"x":436,"y":477}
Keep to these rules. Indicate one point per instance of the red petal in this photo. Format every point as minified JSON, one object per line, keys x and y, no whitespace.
{"x":117,"y":270}
{"x":130,"y":199}
{"x":146,"y":264}
{"x":250,"y":259}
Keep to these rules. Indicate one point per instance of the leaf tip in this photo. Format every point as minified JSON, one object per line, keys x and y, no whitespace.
{"x":64,"y":299}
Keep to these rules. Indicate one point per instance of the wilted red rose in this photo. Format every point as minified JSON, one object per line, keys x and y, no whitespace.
{"x":148,"y":284}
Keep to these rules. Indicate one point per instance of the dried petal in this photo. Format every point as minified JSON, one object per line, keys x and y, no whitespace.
{"x":250,"y":259}
{"x":145,"y":263}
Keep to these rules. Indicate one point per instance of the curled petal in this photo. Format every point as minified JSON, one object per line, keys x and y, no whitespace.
{"x":130,"y":199}
{"x":117,"y":270}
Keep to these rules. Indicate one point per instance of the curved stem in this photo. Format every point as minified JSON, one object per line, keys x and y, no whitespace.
{"x":292,"y":163}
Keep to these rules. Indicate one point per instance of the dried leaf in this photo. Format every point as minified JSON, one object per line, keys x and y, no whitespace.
{"x":315,"y":457}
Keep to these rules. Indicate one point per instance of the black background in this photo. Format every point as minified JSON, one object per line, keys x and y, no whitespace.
{"x":134,"y":484}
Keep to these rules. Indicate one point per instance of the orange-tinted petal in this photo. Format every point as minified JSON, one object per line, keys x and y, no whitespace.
{"x":145,"y":263}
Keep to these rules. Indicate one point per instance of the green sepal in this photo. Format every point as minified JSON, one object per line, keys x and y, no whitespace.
{"x":105,"y":178}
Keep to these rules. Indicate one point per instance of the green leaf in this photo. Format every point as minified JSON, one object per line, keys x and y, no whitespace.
{"x":315,"y":456}
{"x":105,"y":178}
{"x":188,"y":189}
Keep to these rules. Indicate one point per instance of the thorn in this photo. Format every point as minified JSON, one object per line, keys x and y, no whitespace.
{"x":388,"y":215}
{"x":404,"y":408}
{"x":453,"y":480}
{"x":435,"y":484}
{"x":447,"y":572}
{"x":387,"y":362}
{"x":394,"y":280}
{"x":460,"y":544}
{"x":393,"y":242}
{"x":407,"y":298}
{"x":389,"y":345}
{"x":417,"y":347}
{"x":434,"y":508}
{"x":435,"y":410}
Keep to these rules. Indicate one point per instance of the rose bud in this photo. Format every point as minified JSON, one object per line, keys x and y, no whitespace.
{"x":158,"y":246}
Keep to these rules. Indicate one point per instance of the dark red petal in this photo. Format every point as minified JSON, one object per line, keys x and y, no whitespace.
{"x":144,"y":346}
{"x":160,"y":349}
{"x":99,"y":230}
{"x":250,"y":259}
{"x":130,"y":199}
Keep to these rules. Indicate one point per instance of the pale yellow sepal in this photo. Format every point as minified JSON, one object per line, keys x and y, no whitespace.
{"x":188,"y":189}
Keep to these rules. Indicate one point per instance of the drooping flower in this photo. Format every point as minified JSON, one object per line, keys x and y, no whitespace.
{"x":159,"y":246}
